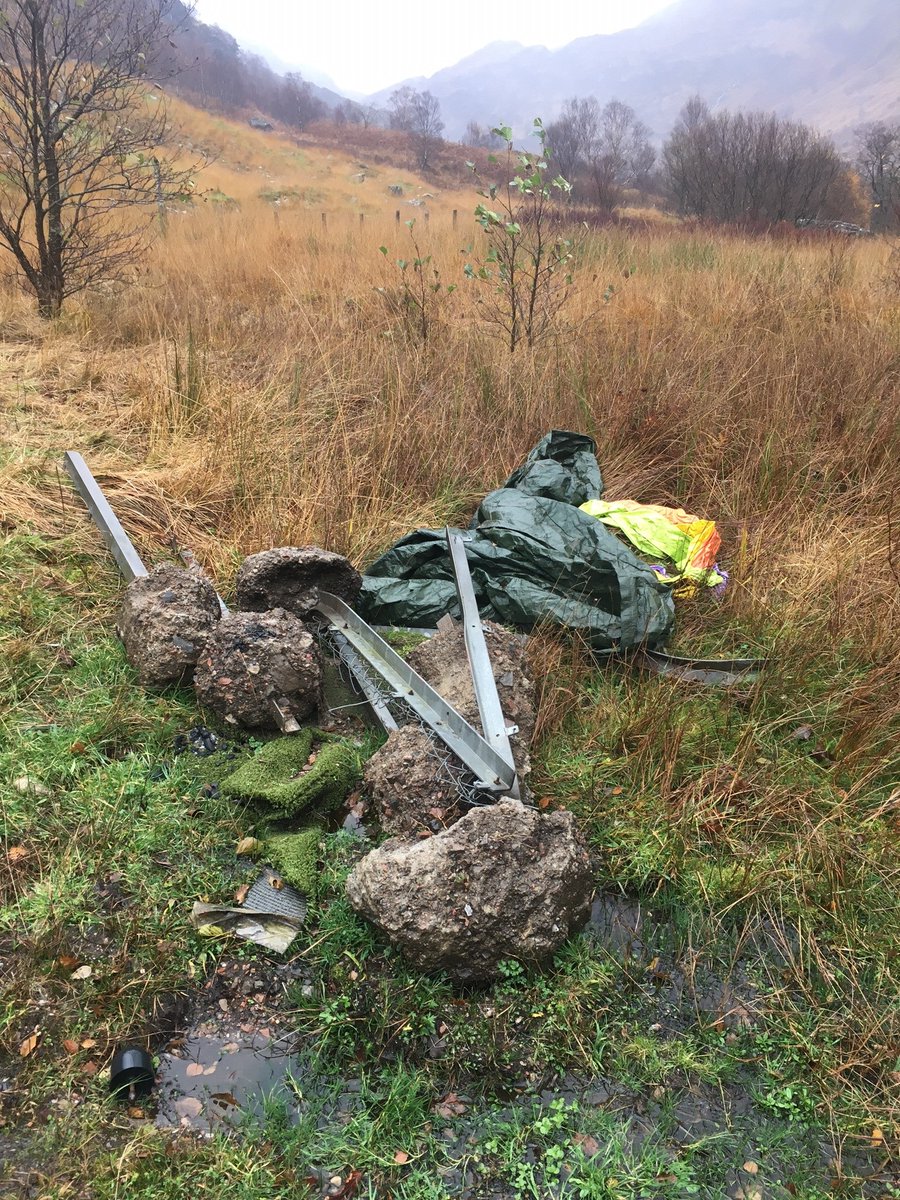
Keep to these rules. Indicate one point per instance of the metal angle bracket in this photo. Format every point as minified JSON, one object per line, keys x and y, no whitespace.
{"x":493,"y":722}
{"x":356,"y":668}
{"x":489,"y":768}
{"x":117,"y":540}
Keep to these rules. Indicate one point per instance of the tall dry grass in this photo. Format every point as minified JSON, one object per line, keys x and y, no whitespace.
{"x":262,"y":382}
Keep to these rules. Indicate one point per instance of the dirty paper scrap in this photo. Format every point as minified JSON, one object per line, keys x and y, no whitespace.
{"x":273,"y":917}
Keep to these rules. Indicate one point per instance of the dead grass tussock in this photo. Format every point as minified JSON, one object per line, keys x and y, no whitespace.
{"x":258,"y":384}
{"x":273,"y":392}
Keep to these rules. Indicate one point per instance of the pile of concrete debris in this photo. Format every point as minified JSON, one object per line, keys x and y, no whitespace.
{"x":460,"y":887}
{"x":258,"y":667}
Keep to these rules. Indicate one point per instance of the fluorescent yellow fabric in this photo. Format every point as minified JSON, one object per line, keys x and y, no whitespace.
{"x":689,"y":542}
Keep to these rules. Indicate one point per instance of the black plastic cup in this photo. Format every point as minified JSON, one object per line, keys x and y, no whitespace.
{"x":131,"y":1073}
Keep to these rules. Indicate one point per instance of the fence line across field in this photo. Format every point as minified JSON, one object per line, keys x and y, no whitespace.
{"x":398,"y":217}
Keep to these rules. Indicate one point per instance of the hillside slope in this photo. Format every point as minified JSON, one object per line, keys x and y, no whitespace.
{"x":829,"y":63}
{"x":357,"y":172}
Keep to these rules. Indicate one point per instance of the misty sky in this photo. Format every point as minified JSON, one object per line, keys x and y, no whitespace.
{"x":364,"y":45}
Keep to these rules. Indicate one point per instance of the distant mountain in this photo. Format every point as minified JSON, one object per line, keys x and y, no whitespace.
{"x":205,"y":65}
{"x":323,"y":85}
{"x":833,"y":63}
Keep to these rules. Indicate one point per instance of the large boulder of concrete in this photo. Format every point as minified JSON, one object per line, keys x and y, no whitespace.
{"x":291,"y":578}
{"x":504,"y":882}
{"x":442,"y":662}
{"x":409,"y":784}
{"x":252,"y":659}
{"x":164,"y":621}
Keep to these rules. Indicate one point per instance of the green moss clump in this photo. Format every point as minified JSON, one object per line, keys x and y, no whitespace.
{"x":403,"y":640}
{"x":295,"y":855}
{"x":202,"y":770}
{"x":279,"y":774}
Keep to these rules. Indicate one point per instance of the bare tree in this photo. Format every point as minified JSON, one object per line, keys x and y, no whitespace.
{"x":296,"y":103}
{"x":480,"y":136}
{"x":348,"y":112}
{"x":371,"y":114}
{"x":83,"y":164}
{"x":687,"y":147}
{"x":574,"y":135}
{"x":609,"y":145}
{"x":400,"y":108}
{"x":729,"y":166}
{"x":623,"y":155}
{"x":878,"y":159}
{"x":640,"y":158}
{"x":419,"y":115}
{"x":217,"y":72}
{"x":351,"y":113}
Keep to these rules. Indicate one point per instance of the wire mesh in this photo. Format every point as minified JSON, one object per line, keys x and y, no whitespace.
{"x":449,"y":768}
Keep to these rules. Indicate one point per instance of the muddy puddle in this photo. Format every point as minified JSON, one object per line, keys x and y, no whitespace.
{"x":210,"y":1083}
{"x":681,"y":988}
{"x":239,"y":1054}
{"x":240,"y":1060}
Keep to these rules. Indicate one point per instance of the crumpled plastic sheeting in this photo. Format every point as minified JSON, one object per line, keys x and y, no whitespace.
{"x":534,"y":557}
{"x":689,"y":542}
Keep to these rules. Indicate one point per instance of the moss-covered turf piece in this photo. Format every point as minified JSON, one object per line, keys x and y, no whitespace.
{"x":206,"y":770}
{"x":296,"y":857}
{"x":276,"y":775}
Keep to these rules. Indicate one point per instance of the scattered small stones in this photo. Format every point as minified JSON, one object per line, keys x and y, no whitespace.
{"x":199,"y":740}
{"x":505,"y":882}
{"x":409,"y":786}
{"x":291,"y":578}
{"x":164,"y":621}
{"x":252,"y":659}
{"x":442,"y":661}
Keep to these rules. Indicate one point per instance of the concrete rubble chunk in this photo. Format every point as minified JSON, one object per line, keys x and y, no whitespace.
{"x":255,"y":658}
{"x":290,"y":577}
{"x":409,"y":785}
{"x":164,"y":620}
{"x":505,"y":882}
{"x":442,"y":662}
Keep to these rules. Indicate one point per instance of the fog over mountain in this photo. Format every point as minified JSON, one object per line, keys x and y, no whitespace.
{"x":834,"y":63}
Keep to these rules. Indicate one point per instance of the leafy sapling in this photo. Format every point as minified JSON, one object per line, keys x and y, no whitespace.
{"x":528,"y":263}
{"x":421,"y":283}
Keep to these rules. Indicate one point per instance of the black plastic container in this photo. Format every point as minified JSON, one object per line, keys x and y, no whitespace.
{"x":131,"y":1073}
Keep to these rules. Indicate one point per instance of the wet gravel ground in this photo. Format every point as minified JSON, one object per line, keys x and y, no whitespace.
{"x":241,"y":1052}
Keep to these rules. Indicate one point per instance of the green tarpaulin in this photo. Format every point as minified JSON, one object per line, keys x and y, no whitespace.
{"x":534,"y":557}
